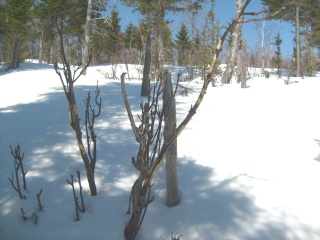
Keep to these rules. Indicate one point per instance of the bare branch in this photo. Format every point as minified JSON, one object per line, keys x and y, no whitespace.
{"x":127,"y":105}
{"x":39,"y":200}
{"x":270,"y":16}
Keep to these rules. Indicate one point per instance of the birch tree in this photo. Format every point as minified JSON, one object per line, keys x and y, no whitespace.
{"x":85,"y":58}
{"x":234,"y":46}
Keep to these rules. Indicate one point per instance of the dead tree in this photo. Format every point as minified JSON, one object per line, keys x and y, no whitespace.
{"x":68,"y":77}
{"x":90,"y":117}
{"x":169,"y":105}
{"x":147,"y":161}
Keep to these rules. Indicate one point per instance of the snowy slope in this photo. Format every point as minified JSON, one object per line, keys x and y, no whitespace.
{"x":249,"y":161}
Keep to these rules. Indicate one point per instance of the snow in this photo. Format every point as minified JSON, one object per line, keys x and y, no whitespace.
{"x":249,"y":161}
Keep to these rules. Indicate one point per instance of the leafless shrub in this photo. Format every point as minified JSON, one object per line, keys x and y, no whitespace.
{"x":75,"y":197}
{"x":18,"y":165}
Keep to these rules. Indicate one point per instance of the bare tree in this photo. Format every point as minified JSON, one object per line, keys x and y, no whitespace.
{"x":148,"y":134}
{"x":18,"y":165}
{"x":169,"y":105}
{"x":68,"y":78}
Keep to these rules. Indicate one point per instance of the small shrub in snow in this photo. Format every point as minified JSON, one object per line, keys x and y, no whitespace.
{"x":18,"y":166}
{"x":75,"y":197}
{"x":175,"y":237}
{"x":266,"y":74}
{"x":32,"y":217}
{"x":39,"y":200}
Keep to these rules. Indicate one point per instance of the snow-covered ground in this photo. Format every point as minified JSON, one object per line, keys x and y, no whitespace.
{"x":249,"y":161}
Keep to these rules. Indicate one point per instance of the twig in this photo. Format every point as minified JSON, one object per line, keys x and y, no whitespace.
{"x":39,"y":200}
{"x":82,"y":209}
{"x":76,"y":202}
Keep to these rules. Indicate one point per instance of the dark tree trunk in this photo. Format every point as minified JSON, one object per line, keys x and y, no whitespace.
{"x":16,"y":55}
{"x":146,"y":68}
{"x":41,"y":48}
{"x":298,"y":51}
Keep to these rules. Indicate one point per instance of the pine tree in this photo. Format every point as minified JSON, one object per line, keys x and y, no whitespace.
{"x":277,"y":59}
{"x":113,"y":35}
{"x":105,"y":39}
{"x":132,"y":42}
{"x":131,"y":36}
{"x":182,"y":44}
{"x":16,"y":29}
{"x":301,"y":13}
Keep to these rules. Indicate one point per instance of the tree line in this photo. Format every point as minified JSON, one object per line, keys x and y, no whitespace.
{"x":28,"y":31}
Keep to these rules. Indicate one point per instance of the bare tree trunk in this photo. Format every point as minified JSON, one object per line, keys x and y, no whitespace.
{"x":262,"y":46}
{"x":146,"y":68}
{"x":85,"y":58}
{"x":41,"y":48}
{"x":16,"y":55}
{"x":244,"y":60}
{"x":169,"y":104}
{"x":298,"y":51}
{"x":234,"y":49}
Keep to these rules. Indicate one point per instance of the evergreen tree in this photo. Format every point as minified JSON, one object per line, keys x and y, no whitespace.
{"x":182,"y":44}
{"x":277,"y":59}
{"x":168,"y":44}
{"x":71,"y":15}
{"x":131,"y":36}
{"x":301,"y":13}
{"x":105,"y":39}
{"x":154,"y":12}
{"x":16,"y":28}
{"x":132,"y":42}
{"x":311,"y":21}
{"x":114,"y":32}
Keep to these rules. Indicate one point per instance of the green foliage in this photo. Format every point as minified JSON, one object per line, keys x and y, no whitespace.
{"x":113,"y":32}
{"x":16,"y":23}
{"x":18,"y":14}
{"x":266,"y":74}
{"x":131,"y":37}
{"x":105,"y":39}
{"x":206,"y":39}
{"x":309,"y":15}
{"x":277,"y":59}
{"x":183,"y":44}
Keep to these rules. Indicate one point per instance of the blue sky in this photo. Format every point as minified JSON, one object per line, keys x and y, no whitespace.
{"x":225,"y":11}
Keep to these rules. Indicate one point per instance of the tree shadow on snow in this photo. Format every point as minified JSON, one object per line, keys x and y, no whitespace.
{"x":209,"y":209}
{"x":318,"y":157}
{"x":51,"y":153}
